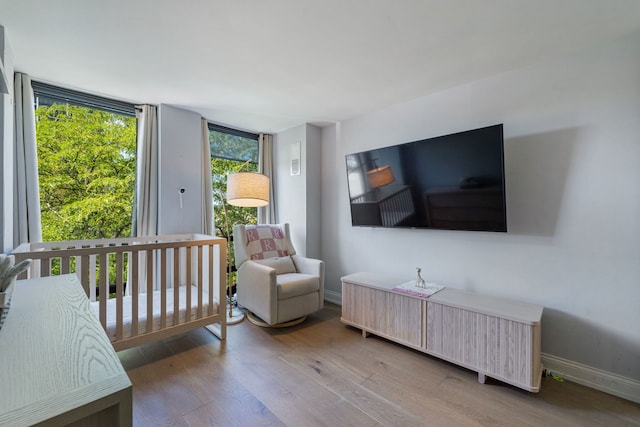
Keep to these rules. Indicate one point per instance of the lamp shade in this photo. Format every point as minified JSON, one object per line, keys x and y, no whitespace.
{"x":247,"y":189}
{"x":380,"y":176}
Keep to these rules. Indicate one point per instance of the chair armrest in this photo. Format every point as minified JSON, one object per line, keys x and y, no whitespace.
{"x":257,"y":289}
{"x":308,"y":265}
{"x":314,"y":267}
{"x":256,"y":273}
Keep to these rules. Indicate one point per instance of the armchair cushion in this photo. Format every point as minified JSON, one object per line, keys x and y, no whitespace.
{"x":296,"y":284}
{"x":282,"y":265}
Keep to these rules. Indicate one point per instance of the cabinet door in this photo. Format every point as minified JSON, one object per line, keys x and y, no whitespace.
{"x":501,"y":348}
{"x":403,"y":321}
{"x":352,"y":304}
{"x":390,"y":315}
{"x":457,"y":335}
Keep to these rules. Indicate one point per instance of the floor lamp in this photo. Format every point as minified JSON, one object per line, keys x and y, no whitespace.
{"x":249,"y":190}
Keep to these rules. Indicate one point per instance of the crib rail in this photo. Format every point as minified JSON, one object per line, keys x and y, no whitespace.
{"x":139,"y":268}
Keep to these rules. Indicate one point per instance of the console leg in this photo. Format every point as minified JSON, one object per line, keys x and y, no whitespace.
{"x":365,"y":334}
{"x":481,"y":378}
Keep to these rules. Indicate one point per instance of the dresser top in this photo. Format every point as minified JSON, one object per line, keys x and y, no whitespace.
{"x":504,"y":308}
{"x":54,"y":355}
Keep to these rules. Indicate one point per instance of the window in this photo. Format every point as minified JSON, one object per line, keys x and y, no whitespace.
{"x":230,"y":149}
{"x":86,"y":148}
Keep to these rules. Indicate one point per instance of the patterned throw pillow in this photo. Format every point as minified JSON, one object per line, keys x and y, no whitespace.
{"x":265,"y":241}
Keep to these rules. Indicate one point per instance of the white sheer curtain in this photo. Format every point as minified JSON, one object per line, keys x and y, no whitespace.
{"x":145,"y":215}
{"x":145,"y":203}
{"x":267,"y":214}
{"x":207,"y":189}
{"x":26,"y":194}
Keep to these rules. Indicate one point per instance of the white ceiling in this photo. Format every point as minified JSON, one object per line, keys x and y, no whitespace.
{"x":267,"y":65}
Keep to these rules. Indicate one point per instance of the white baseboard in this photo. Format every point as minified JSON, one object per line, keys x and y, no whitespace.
{"x":608,"y":382}
{"x":334,"y":297}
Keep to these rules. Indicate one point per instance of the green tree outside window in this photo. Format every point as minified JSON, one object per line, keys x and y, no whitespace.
{"x":86,"y":167}
{"x":86,"y":172}
{"x":228,"y":153}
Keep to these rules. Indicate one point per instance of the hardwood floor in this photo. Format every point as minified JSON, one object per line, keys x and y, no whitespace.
{"x":323,"y":373}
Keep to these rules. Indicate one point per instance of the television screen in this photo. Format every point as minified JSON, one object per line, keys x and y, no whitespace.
{"x":453,"y":182}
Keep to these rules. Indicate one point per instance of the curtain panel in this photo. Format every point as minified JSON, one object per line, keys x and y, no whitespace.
{"x":267,"y":214}
{"x":207,"y":189}
{"x":26,"y":193}
{"x":145,"y":197}
{"x":145,"y":204}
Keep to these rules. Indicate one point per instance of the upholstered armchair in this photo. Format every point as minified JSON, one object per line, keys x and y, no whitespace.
{"x":275,"y":284}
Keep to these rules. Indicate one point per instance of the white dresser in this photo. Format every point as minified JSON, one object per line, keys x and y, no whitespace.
{"x":57,"y":366}
{"x":495,"y":337}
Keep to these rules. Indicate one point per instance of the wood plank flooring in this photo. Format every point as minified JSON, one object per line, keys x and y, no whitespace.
{"x":323,"y":373}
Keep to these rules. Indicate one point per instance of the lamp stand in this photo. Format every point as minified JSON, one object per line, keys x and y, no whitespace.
{"x":232,"y":318}
{"x":237,"y":317}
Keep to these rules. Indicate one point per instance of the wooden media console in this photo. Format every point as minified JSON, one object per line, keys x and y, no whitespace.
{"x":495,"y":337}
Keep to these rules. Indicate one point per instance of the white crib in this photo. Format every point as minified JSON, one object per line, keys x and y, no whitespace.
{"x":161,"y":286}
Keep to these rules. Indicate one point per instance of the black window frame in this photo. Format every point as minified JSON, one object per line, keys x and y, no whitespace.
{"x":235,"y":132}
{"x":63,"y":95}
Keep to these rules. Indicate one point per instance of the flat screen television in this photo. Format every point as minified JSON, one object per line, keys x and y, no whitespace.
{"x":452,"y":182}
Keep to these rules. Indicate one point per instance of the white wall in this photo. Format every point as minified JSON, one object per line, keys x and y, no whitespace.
{"x":572,"y":160}
{"x":298,"y":196}
{"x":180,"y":148}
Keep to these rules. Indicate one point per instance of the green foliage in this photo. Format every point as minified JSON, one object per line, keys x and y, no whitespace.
{"x":86,"y":164}
{"x":225,"y":215}
{"x":233,"y":147}
{"x":240,"y":149}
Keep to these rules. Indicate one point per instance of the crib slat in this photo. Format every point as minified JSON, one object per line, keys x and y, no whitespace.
{"x":119,"y":295}
{"x":176,"y":285}
{"x":210,"y":287}
{"x":84,"y":277}
{"x":222,"y":272}
{"x":200,"y":282}
{"x":92,"y":277}
{"x":77,"y":267}
{"x":151,"y":262}
{"x":134,"y":292}
{"x":64,"y":265}
{"x":163,"y":288}
{"x":104,"y":289}
{"x":187,"y":316}
{"x":45,"y":267}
